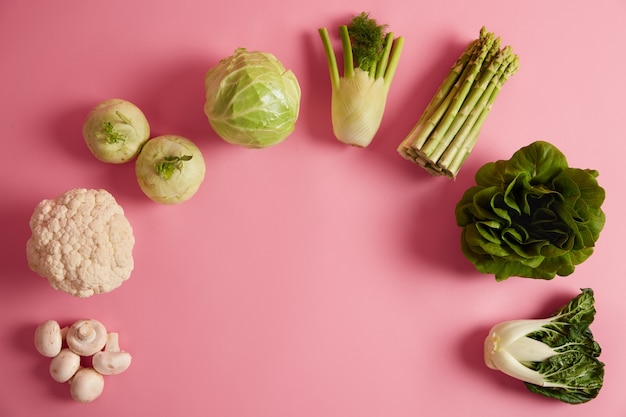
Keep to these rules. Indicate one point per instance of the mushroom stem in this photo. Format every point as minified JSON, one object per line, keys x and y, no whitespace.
{"x":86,"y":332}
{"x":113,"y":342}
{"x":86,"y":337}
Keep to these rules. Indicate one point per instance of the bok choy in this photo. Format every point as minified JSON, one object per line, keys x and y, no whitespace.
{"x":556,"y":357}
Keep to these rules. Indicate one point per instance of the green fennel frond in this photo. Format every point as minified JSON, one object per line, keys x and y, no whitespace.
{"x":367,"y":38}
{"x":365,"y":45}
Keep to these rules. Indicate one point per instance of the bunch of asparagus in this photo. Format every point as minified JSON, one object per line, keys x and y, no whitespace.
{"x":448,"y":128}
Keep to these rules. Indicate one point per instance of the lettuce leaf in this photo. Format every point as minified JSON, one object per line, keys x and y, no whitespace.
{"x":531,"y":216}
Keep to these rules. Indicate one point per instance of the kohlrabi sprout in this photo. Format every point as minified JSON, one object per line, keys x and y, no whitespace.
{"x":170,"y":169}
{"x":251,"y":99}
{"x":115,"y":130}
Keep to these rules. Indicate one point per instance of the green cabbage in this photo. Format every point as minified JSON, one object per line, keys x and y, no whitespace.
{"x":531,"y":216}
{"x":251,"y":99}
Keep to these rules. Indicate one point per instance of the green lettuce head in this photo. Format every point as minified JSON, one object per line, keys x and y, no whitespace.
{"x":531,"y":216}
{"x":251,"y":99}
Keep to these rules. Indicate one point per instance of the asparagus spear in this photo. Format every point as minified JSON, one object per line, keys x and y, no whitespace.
{"x":461,"y":147}
{"x":448,"y":128}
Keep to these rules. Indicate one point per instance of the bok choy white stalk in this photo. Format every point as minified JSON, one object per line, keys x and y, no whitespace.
{"x":359,"y":97}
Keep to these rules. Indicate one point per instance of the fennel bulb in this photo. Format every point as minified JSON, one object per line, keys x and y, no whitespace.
{"x":359,"y":97}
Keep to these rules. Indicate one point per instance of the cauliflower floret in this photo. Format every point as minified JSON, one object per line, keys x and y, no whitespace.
{"x":81,"y":242}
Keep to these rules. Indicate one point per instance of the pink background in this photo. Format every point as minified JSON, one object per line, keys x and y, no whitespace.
{"x":307,"y":279}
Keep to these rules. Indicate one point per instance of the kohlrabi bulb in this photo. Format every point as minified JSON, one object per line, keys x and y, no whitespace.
{"x":170,"y":169}
{"x":251,"y":99}
{"x":115,"y":130}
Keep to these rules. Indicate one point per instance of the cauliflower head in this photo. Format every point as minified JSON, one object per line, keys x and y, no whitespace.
{"x":81,"y":242}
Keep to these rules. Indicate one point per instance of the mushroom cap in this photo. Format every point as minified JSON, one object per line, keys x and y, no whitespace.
{"x":86,"y":337}
{"x":86,"y":385}
{"x":48,"y":338}
{"x":111,"y":363}
{"x":64,"y":365}
{"x":112,"y":360}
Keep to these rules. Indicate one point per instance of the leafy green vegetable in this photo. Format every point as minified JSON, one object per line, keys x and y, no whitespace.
{"x":531,"y":216}
{"x":359,"y":97}
{"x":251,"y":99}
{"x":556,"y":357}
{"x":447,"y":130}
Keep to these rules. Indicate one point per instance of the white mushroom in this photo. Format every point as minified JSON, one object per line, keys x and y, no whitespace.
{"x":86,"y":385}
{"x":86,"y":337}
{"x":48,"y":338}
{"x":111,"y":360}
{"x":64,"y":365}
